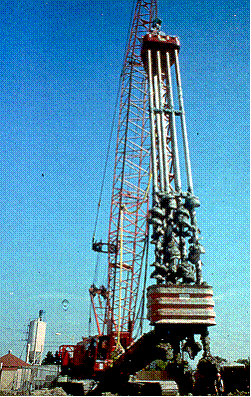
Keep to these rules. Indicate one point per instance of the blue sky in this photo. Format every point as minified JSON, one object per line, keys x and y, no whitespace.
{"x":60,"y":63}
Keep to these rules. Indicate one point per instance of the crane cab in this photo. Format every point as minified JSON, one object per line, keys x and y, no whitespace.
{"x":86,"y":358}
{"x":92,"y":355}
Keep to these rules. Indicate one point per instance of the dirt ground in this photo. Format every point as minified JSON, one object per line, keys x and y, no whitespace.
{"x":58,"y":391}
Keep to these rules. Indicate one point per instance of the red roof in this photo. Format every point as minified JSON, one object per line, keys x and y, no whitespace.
{"x":11,"y":361}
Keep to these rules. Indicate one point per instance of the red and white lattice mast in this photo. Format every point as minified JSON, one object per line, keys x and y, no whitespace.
{"x":128,"y":227}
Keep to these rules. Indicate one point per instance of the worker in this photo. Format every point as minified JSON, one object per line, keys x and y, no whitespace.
{"x":155,"y":29}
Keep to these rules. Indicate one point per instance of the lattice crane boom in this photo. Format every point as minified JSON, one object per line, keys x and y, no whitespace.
{"x":128,"y":227}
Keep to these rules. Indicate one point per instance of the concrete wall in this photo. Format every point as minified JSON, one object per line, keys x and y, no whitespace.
{"x":24,"y":379}
{"x":7,"y":379}
{"x":16,"y":379}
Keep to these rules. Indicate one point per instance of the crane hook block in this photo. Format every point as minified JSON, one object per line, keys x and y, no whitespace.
{"x":104,"y":247}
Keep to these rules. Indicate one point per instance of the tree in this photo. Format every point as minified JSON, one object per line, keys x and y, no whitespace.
{"x":245,"y":361}
{"x":57,"y":358}
{"x":49,"y":359}
{"x":220,"y":360}
{"x":160,"y":365}
{"x":157,"y":365}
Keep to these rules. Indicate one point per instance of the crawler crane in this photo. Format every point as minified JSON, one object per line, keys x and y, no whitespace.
{"x":180,"y":305}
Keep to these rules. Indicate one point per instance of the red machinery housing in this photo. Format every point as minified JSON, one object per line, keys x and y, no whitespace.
{"x":91,"y":356}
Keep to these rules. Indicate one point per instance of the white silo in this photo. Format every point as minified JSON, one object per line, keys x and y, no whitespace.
{"x":35,"y":341}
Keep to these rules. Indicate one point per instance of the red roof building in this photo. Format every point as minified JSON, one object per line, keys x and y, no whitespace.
{"x":9,"y":361}
{"x":14,"y":373}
